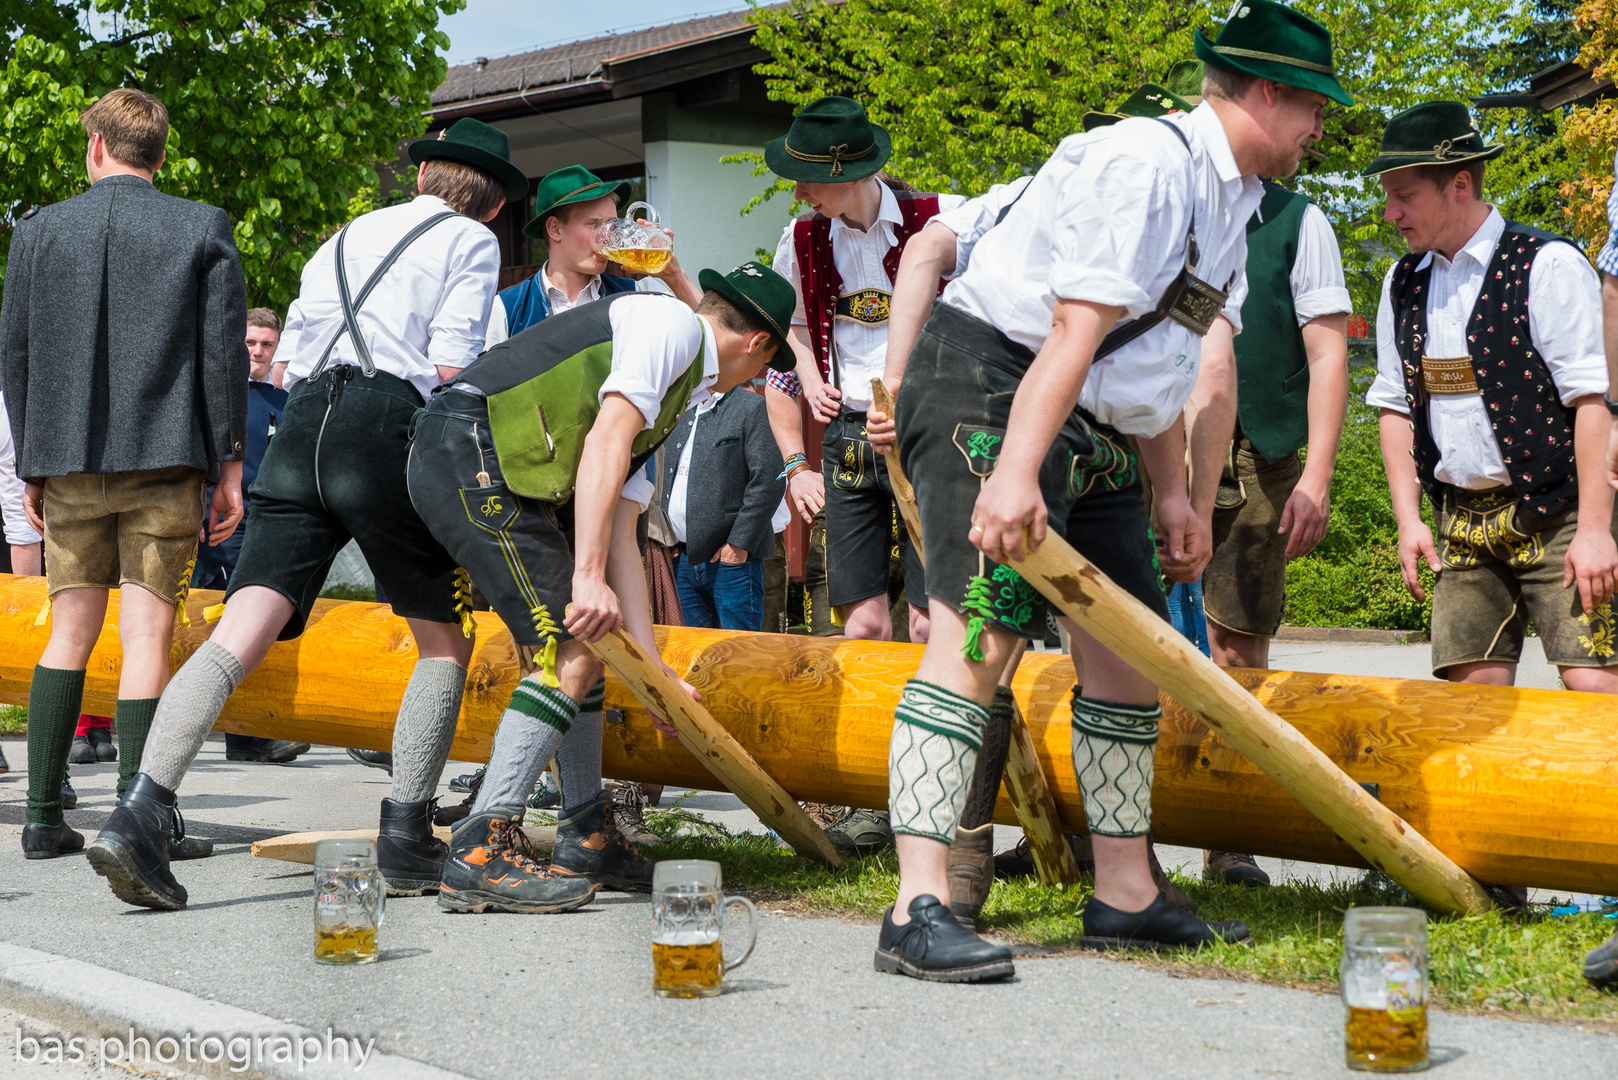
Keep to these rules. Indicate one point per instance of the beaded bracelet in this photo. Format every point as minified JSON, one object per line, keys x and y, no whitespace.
{"x":795,"y":459}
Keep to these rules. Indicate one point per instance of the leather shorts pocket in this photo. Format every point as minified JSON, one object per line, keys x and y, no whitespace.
{"x":1110,"y":466}
{"x":979,"y":445}
{"x":852,"y":463}
{"x":492,"y":509}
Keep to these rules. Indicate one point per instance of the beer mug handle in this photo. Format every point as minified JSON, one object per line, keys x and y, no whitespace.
{"x":650,"y":215}
{"x":379,"y":888}
{"x":752,"y":929}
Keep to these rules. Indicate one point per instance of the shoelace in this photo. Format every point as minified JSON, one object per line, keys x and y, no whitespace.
{"x":629,"y":804}
{"x":177,"y":826}
{"x":515,"y":843}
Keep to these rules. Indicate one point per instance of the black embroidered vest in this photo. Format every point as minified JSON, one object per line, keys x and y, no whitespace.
{"x":1531,"y":426}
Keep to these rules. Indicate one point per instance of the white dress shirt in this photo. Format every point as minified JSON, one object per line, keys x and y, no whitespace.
{"x":431,"y":309}
{"x":1317,"y":281}
{"x":1105,"y":220}
{"x":18,"y":531}
{"x":862,"y":348}
{"x":1564,"y":323}
{"x":500,"y":325}
{"x":682,"y":473}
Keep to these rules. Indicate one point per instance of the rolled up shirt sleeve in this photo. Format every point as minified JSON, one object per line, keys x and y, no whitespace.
{"x":654,"y":340}
{"x":639,"y":490}
{"x":460,"y":326}
{"x":974,"y":217}
{"x":1388,"y":388}
{"x":1318,"y":287}
{"x":1118,"y":220}
{"x":1564,"y":320}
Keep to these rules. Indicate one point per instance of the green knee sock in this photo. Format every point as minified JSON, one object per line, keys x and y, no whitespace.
{"x":134,"y":721}
{"x":53,"y":715}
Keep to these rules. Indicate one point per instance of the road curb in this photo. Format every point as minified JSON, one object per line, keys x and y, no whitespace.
{"x":1350,"y":635}
{"x":94,"y":1002}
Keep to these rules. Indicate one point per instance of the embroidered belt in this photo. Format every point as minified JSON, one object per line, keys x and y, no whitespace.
{"x":1446,"y":376}
{"x":869,"y":306}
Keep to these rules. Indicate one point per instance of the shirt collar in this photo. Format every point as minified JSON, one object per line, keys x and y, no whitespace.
{"x":1205,"y":123}
{"x":887,"y":213}
{"x":1480,"y":249}
{"x":588,"y":293}
{"x":710,"y":356}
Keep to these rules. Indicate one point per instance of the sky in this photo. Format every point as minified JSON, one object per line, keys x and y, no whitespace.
{"x":500,"y":27}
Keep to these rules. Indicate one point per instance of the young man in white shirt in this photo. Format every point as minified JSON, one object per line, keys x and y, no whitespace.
{"x":528,"y":467}
{"x":1015,"y":398}
{"x":1490,"y":376}
{"x":361,"y":363}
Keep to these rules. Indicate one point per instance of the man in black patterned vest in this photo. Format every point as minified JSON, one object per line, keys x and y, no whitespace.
{"x":1490,"y":376}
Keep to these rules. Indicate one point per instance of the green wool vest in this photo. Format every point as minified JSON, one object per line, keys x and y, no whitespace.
{"x":1272,"y":369}
{"x":543,"y":387}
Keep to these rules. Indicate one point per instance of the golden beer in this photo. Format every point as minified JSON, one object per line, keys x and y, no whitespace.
{"x":1387,"y":1040}
{"x":687,"y":968}
{"x":644,"y":260}
{"x":345,"y":945}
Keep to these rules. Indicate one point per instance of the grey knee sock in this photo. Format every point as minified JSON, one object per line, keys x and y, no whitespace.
{"x":187,"y":712}
{"x":578,"y":759}
{"x":530,"y":731}
{"x":425,"y":728}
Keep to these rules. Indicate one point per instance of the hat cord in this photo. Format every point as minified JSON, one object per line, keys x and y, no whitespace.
{"x":836,"y":157}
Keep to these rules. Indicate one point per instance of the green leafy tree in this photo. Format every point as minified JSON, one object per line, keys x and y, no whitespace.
{"x":281,"y":111}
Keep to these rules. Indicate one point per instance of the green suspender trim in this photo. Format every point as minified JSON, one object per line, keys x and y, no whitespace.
{"x":545,"y":704}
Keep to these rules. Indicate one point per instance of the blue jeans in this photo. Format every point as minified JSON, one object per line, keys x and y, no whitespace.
{"x":1185,"y":612}
{"x":720,"y":595}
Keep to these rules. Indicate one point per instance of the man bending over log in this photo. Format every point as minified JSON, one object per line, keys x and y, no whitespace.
{"x":359,"y":368}
{"x":1020,"y":396}
{"x":517,"y":468}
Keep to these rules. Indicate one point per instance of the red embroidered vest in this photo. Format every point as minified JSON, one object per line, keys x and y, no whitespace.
{"x":817,"y":269}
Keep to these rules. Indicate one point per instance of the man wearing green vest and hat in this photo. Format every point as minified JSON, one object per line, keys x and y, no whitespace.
{"x":1067,"y":308}
{"x":573,"y":207}
{"x":517,"y":467}
{"x":391,"y":306}
{"x":1490,"y":381}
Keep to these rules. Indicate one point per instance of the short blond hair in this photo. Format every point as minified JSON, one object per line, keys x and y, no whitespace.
{"x":133,"y":125}
{"x":467,"y":189}
{"x":264,"y":318}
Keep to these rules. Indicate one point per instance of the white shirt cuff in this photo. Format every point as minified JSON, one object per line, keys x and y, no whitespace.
{"x":639,"y":490}
{"x":1099,"y":287}
{"x":1328,"y":301}
{"x":640,"y":393}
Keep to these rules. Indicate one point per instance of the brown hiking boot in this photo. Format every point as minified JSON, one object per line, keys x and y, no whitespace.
{"x":491,"y":867}
{"x":971,"y":872}
{"x":1171,"y":892}
{"x":824,"y":814}
{"x":1234,"y":868}
{"x":629,"y":811}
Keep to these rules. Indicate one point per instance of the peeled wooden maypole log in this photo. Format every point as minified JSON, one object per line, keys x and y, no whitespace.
{"x":1517,"y":786}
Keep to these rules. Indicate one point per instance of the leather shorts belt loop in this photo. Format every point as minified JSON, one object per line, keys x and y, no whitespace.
{"x":1440,"y":375}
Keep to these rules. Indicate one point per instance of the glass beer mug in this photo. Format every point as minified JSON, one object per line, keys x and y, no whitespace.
{"x":1384,"y":987}
{"x":646,"y":248}
{"x":349,"y":896}
{"x":688,"y":912}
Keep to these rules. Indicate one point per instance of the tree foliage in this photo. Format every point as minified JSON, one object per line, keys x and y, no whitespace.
{"x":1591,"y":132}
{"x":280,"y":111}
{"x":976,"y":92}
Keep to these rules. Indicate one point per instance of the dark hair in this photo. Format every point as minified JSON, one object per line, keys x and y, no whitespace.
{"x":264,"y":318}
{"x":1443,"y":175}
{"x":467,"y":189}
{"x":1226,"y":84}
{"x":133,"y":125}
{"x":732,"y":318}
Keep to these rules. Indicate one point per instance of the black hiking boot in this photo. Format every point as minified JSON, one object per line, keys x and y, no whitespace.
{"x":132,"y":851}
{"x":935,"y":947}
{"x":1601,"y":964}
{"x":82,"y":753}
{"x":491,"y":868}
{"x":1161,"y":925}
{"x":410,"y":857}
{"x":70,"y":798}
{"x":49,"y":841}
{"x":589,"y":844}
{"x":183,"y":847}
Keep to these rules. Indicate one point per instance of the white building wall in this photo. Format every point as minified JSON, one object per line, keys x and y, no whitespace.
{"x":701,"y":200}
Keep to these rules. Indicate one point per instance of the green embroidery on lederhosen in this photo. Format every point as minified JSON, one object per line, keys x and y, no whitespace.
{"x":1014,"y":599}
{"x":1007,"y":597}
{"x":1111,"y":467}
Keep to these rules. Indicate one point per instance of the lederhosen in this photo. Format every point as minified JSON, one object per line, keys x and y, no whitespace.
{"x":863,"y":528}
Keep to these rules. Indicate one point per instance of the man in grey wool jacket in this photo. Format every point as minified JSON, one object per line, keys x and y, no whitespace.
{"x":125,"y":377}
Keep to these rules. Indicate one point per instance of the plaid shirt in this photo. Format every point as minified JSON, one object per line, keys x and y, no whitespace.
{"x":1607,"y":261}
{"x":784,"y":381}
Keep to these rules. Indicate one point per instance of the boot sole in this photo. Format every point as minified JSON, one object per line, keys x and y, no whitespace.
{"x":115,"y":862}
{"x":403,"y":886}
{"x":470,"y":901}
{"x":51,"y":853}
{"x":1113,"y":944}
{"x":616,"y":883}
{"x":894,"y":964}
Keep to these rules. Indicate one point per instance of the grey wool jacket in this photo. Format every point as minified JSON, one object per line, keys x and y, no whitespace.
{"x":122,"y":334}
{"x":734,"y":485}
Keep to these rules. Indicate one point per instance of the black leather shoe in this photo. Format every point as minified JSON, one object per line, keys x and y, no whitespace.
{"x":49,"y":841}
{"x":935,"y":947}
{"x":410,"y":857}
{"x":590,"y":844}
{"x":183,"y":847}
{"x":132,"y":851}
{"x":376,"y":759}
{"x":70,"y":798}
{"x":270,"y":752}
{"x":1161,"y":925}
{"x":82,"y":753}
{"x":101,"y":742}
{"x":468,"y":783}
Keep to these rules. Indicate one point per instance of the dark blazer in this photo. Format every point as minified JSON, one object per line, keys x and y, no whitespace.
{"x":735,"y":484}
{"x":122,"y":334}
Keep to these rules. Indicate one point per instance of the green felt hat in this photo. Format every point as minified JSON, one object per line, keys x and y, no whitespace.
{"x":574,"y":184}
{"x":759,"y":291}
{"x":1185,"y":79}
{"x":831,"y":141}
{"x":474,"y":143}
{"x":1274,"y":42}
{"x":1149,"y":100}
{"x":1432,"y":133}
